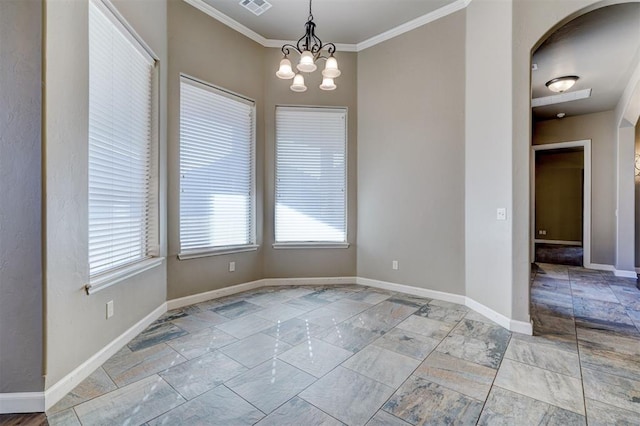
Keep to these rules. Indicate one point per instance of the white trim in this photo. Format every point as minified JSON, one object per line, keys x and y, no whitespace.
{"x":562,"y":242}
{"x":63,"y":386}
{"x":217,"y":252}
{"x":522,"y":327}
{"x":252,"y":285}
{"x":516,"y":326}
{"x":600,"y":267}
{"x":413,"y":24}
{"x":114,"y":277}
{"x":286,"y":246}
{"x":340,"y":47}
{"x":611,"y":268}
{"x":309,"y":281}
{"x":586,"y":196}
{"x":213,"y":294}
{"x":229,"y":22}
{"x":41,"y":401}
{"x":343,"y":47}
{"x":21,"y":402}
{"x":625,"y":274}
{"x":416,"y":291}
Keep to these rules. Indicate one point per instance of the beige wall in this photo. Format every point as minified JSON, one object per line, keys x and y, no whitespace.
{"x":600,"y":128}
{"x":637,"y":195}
{"x":285,"y":263}
{"x":20,"y":197}
{"x":559,"y":193}
{"x":533,"y":20}
{"x":76,"y":327}
{"x":416,"y":129}
{"x":488,"y":171}
{"x":202,"y":47}
{"x":411,"y":165}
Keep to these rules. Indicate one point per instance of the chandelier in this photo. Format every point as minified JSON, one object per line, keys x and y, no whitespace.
{"x":310,"y":48}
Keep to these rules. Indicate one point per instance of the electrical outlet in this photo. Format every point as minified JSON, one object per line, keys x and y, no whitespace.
{"x":394,"y":265}
{"x":109,"y":309}
{"x":544,"y":232}
{"x":232,"y":266}
{"x":501,"y":214}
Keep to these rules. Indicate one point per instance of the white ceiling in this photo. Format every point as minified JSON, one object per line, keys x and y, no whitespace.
{"x":601,"y":47}
{"x":337,"y":21}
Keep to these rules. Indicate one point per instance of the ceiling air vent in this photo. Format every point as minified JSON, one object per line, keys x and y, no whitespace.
{"x":258,"y":7}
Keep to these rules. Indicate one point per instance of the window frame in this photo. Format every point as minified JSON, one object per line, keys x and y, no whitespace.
{"x":313,"y":244}
{"x":154,"y":256}
{"x":252,"y":245}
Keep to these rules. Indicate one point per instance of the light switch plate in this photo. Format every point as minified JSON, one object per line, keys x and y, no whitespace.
{"x":109,"y":309}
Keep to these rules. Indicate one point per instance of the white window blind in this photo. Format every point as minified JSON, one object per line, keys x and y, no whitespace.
{"x":217,"y":203}
{"x":122,"y":176}
{"x":310,"y":175}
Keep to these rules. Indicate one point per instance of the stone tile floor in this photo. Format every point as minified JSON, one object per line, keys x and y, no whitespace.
{"x":356,"y":355}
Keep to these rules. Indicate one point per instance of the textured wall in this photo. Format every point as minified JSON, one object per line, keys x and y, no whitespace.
{"x":559,"y":194}
{"x":20,"y":197}
{"x":600,"y":128}
{"x":411,"y":159}
{"x":637,"y":182}
{"x":197,"y":43}
{"x":77,"y":327}
{"x":488,"y":152}
{"x":284,"y":263}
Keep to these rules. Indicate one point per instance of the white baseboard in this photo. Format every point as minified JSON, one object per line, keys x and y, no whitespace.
{"x":252,"y":285}
{"x":41,"y":401}
{"x":625,"y":274}
{"x":21,"y":402}
{"x":268,"y":282}
{"x":522,"y":327}
{"x":416,"y":291}
{"x":600,"y":267}
{"x":213,"y":294}
{"x":617,"y":272}
{"x":559,"y":242}
{"x":56,"y":392}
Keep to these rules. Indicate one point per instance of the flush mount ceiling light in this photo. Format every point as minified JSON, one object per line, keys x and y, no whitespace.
{"x":562,"y":84}
{"x":310,"y":48}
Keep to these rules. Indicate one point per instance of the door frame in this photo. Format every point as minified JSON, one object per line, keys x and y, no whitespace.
{"x":586,"y":196}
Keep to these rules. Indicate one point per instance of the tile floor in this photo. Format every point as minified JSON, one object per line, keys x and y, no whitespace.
{"x":356,"y":355}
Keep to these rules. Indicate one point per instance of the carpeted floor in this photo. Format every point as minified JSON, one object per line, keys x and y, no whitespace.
{"x":559,"y":254}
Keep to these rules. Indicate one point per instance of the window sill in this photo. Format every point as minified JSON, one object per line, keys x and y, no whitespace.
{"x":216,"y":252}
{"x":110,"y":278}
{"x":310,"y":245}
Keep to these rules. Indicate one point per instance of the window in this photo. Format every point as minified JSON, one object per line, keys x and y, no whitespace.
{"x":217,"y":163}
{"x":310,"y":175}
{"x":122,"y":165}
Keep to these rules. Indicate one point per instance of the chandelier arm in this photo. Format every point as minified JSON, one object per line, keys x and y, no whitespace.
{"x":286,"y":47}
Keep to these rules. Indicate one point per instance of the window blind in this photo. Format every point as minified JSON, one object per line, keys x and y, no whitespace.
{"x":310,"y":175}
{"x":217,"y":178}
{"x":121,"y":174}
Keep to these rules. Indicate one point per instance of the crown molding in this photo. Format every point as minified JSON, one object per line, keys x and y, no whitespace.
{"x":231,"y":23}
{"x":412,"y":25}
{"x":341,"y":47}
{"x":394,"y":32}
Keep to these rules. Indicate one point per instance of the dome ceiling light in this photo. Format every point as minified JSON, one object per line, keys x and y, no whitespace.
{"x":562,"y":84}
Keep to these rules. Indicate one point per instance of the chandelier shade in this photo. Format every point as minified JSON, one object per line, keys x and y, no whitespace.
{"x":311,"y":50}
